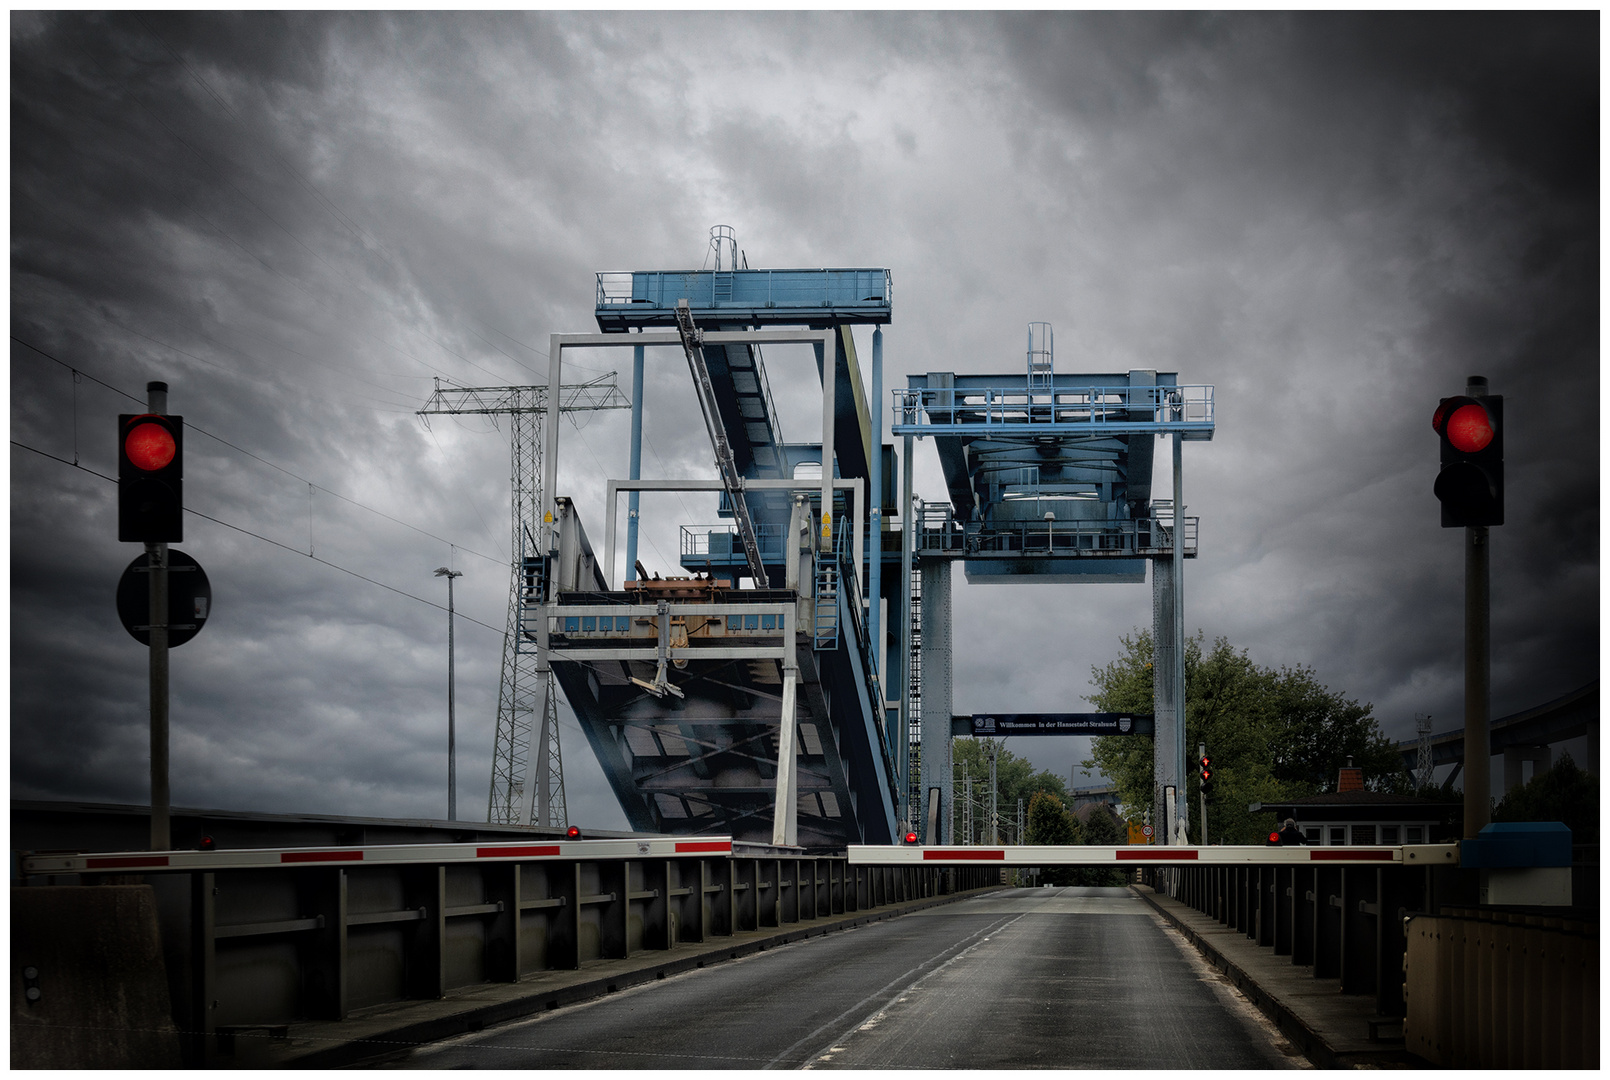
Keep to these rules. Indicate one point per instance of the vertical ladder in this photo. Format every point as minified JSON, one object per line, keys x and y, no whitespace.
{"x":914,"y":695}
{"x":827,"y":601}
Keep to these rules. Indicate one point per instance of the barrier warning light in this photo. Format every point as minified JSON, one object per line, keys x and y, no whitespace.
{"x":573,"y":833}
{"x":150,"y":475}
{"x":1470,"y":485}
{"x":911,"y":838}
{"x":1274,"y":839}
{"x":207,"y":844}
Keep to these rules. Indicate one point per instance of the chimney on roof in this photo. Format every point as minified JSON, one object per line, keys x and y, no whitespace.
{"x":1350,"y":778}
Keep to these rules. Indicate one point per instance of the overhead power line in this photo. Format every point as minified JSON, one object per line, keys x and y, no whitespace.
{"x":266,"y":540}
{"x":239,"y":449}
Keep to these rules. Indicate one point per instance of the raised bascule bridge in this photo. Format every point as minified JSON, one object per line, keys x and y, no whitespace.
{"x":794,"y":689}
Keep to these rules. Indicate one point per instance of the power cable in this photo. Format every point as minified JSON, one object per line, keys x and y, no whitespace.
{"x":301,"y":479}
{"x":267,"y":540}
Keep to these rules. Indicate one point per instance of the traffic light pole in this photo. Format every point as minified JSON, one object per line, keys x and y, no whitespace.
{"x":1478,"y":666}
{"x":1478,"y":682}
{"x":1201,"y":791}
{"x":157,"y":557}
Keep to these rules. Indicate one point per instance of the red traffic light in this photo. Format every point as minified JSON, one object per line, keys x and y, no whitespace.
{"x":150,"y":478}
{"x":573,"y":833}
{"x":1470,"y":484}
{"x":911,"y":838}
{"x":149,"y":443}
{"x":1465,"y":423}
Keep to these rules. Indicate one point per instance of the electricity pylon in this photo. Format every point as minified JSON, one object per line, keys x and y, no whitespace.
{"x":524,"y":690}
{"x":1422,"y":771}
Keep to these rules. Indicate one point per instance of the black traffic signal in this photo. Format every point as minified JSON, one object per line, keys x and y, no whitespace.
{"x":1205,"y":771}
{"x":1471,"y":483}
{"x":150,"y":474}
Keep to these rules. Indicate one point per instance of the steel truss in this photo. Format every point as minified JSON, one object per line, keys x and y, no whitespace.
{"x":527,"y":697}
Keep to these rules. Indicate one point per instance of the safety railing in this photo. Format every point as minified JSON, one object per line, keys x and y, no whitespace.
{"x":265,"y":937}
{"x":1096,"y":410}
{"x":718,"y":545}
{"x":1502,"y":990}
{"x":939,"y":534}
{"x":848,"y":294}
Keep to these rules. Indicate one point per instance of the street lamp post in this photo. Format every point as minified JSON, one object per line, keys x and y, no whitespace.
{"x":452,"y":751}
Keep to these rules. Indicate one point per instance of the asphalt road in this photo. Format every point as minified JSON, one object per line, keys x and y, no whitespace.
{"x":1026,"y":978}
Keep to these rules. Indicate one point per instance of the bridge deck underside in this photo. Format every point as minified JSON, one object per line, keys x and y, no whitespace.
{"x":706,"y":762}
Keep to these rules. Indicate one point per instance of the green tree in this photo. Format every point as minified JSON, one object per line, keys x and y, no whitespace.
{"x":1565,"y":794}
{"x":1050,"y":823}
{"x":1015,"y":778}
{"x":1316,"y":731}
{"x":1100,"y":827}
{"x":1271,"y":734}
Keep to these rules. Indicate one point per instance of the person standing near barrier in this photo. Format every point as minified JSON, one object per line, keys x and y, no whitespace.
{"x":1290,"y":834}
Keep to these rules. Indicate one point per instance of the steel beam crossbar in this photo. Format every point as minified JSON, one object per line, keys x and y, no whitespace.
{"x":1082,"y":410}
{"x":1146,"y":855}
{"x":393,"y":854}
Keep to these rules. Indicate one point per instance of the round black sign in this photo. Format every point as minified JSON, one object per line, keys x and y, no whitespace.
{"x":189,"y":598}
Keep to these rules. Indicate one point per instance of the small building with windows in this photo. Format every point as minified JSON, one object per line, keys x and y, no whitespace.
{"x":1353,"y":816}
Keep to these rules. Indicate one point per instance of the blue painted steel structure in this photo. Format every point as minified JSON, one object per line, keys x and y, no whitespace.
{"x":692,"y":742}
{"x":1055,"y":477}
{"x":1050,"y":480}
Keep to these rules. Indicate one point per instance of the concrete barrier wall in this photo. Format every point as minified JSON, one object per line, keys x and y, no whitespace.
{"x":88,"y":986}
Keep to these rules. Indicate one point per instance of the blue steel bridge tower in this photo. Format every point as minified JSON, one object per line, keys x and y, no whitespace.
{"x":1049,"y":479}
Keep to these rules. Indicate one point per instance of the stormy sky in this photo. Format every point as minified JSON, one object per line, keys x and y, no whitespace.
{"x":300,"y":221}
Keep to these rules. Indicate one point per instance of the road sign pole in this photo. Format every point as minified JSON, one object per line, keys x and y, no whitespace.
{"x":161,"y":834}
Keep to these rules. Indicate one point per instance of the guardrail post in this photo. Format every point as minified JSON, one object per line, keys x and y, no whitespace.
{"x":655,"y":911}
{"x":501,"y":885}
{"x":1280,"y":908}
{"x":1361,"y":930}
{"x":1304,"y":912}
{"x":203,"y":967}
{"x":769,"y":902}
{"x":1327,"y":922}
{"x":746,"y":898}
{"x":323,"y":895}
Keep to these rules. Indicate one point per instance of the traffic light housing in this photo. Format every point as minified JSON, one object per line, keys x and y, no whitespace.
{"x":1471,"y":483}
{"x":150,"y":476}
{"x":1205,"y":772}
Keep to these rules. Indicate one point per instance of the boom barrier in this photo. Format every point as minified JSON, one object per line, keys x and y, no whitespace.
{"x":1130,"y":856}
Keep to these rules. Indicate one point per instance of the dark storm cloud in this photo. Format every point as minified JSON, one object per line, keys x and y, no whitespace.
{"x":300,"y":220}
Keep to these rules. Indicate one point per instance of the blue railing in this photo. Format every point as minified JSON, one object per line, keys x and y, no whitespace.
{"x":648,"y":297}
{"x":1095,"y":410}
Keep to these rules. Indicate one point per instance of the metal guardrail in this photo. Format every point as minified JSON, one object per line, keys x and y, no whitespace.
{"x":270,"y":936}
{"x":1502,"y":990}
{"x":827,"y":287}
{"x":1093,"y":410}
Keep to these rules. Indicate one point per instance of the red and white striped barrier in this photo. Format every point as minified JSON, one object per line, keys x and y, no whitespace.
{"x":1142,"y":855}
{"x":249,"y":858}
